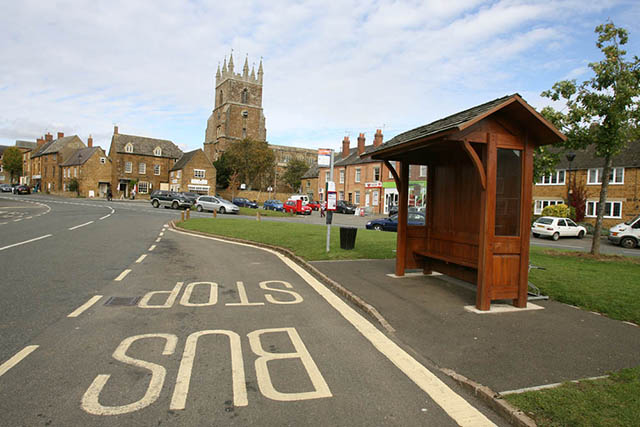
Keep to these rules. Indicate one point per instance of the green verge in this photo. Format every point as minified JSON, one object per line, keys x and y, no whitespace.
{"x":263,"y":212}
{"x":305,"y":240}
{"x":608,"y":285}
{"x":614,"y":401}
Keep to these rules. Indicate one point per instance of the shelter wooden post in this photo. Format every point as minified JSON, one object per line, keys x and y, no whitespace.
{"x":487,"y":225}
{"x":527,"y":175}
{"x":403,"y":199}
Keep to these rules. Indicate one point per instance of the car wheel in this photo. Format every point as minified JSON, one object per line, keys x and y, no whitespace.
{"x":536,"y":235}
{"x":555,"y":236}
{"x":222,"y":210}
{"x":628,"y":243}
{"x":174,"y":205}
{"x":199,"y":208}
{"x":377,"y":227}
{"x":581,"y":234}
{"x":155,"y":204}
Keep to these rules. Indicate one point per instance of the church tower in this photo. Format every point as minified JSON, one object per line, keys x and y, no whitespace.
{"x":237,"y":112}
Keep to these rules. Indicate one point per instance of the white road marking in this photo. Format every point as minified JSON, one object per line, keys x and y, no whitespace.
{"x":142,"y":257}
{"x":104,"y":217}
{"x":455,"y":406}
{"x":152,"y":248}
{"x":16,"y":359}
{"x":81,"y":225}
{"x":78,"y":311}
{"x":158,"y":239}
{"x":122,"y":275}
{"x":16,"y":220}
{"x":26,"y":241}
{"x":546,"y":386}
{"x":161,"y":234}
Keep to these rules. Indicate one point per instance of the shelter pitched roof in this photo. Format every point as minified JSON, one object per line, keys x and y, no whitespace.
{"x":186,"y":158}
{"x":145,"y":146}
{"x":55,"y":145}
{"x":80,"y":156}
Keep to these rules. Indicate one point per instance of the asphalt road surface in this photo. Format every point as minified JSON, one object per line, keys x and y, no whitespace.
{"x":108,"y":317}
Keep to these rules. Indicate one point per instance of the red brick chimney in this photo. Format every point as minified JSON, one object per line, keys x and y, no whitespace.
{"x":90,"y":142}
{"x":345,"y":147}
{"x":377,"y":139}
{"x":40,"y":141}
{"x":60,"y":135}
{"x":115,"y":130}
{"x":360,"y":144}
{"x":48,"y":137}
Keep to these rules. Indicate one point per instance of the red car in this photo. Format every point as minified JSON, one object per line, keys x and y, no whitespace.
{"x":291,"y":206}
{"x":314,"y":205}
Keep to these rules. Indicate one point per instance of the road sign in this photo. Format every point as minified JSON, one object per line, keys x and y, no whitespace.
{"x":332,"y":200}
{"x":324,"y":157}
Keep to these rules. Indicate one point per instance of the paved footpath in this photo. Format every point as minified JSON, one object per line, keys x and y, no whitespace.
{"x":196,"y":331}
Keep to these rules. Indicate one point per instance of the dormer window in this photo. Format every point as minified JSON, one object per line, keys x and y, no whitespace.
{"x":128,"y":148}
{"x":157,"y":151}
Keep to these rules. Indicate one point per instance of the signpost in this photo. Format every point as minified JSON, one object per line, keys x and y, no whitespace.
{"x":325,"y":158}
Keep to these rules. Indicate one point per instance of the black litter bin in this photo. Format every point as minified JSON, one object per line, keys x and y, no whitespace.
{"x":348,"y":237}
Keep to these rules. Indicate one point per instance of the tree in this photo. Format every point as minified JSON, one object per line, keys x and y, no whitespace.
{"x":74,"y":186}
{"x":604,"y":110}
{"x":253,"y":161}
{"x":12,"y":162}
{"x":293,"y":175}
{"x":223,"y":171}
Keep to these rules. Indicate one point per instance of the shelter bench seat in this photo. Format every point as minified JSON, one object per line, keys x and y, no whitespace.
{"x":452,"y":266}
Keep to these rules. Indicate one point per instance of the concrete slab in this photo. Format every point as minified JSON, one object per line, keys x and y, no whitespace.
{"x":502,"y":308}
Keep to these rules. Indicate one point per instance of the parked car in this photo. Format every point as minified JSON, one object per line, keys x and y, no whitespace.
{"x":243,"y":202}
{"x":192,"y":197}
{"x":303,"y":197}
{"x":315,"y":205}
{"x":22,"y":189}
{"x":554,"y":227}
{"x":292,"y":206}
{"x":393,"y":210}
{"x":345,"y":207}
{"x":211,"y":203}
{"x":6,"y":188}
{"x":273,"y":205}
{"x":169,"y":199}
{"x":626,"y":234}
{"x":391,"y":223}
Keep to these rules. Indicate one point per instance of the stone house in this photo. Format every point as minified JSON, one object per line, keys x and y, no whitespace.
{"x":49,"y":155}
{"x":309,"y":183}
{"x":26,"y":148}
{"x":5,"y":177}
{"x":91,"y":168}
{"x":140,"y":160}
{"x":194,"y":172}
{"x":623,"y":195}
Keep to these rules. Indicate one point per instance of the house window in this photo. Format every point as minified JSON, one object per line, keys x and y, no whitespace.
{"x":616,"y":176}
{"x":157,"y":151}
{"x":143,"y":187}
{"x":142,"y":168}
{"x":103,"y":160}
{"x":376,"y":174}
{"x":326,"y":176}
{"x":128,"y":148}
{"x":156,"y":170}
{"x":179,"y":173}
{"x":556,"y":178}
{"x":396,"y":168}
{"x":376,"y":197}
{"x":245,"y":96}
{"x":611,"y":209}
{"x":198,"y":173}
{"x":341,"y":194}
{"x":541,"y":204}
{"x":423,"y":170}
{"x":128,"y":167}
{"x":342,"y":176}
{"x":357,"y":197}
{"x":358,"y":173}
{"x":75,"y":172}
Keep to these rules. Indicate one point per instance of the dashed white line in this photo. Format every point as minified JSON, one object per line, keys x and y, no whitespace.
{"x":78,"y":311}
{"x":142,"y":257}
{"x":152,"y":248}
{"x":158,"y":239}
{"x":26,"y":241}
{"x":104,"y":217}
{"x":161,"y":234}
{"x":81,"y":225}
{"x":122,"y":275}
{"x":16,"y":359}
{"x":16,"y":220}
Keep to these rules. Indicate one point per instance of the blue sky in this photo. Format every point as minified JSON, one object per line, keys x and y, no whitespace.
{"x":331,"y":68}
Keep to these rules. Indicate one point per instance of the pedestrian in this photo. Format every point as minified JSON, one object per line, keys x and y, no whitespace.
{"x":109,"y":194}
{"x":322,"y":208}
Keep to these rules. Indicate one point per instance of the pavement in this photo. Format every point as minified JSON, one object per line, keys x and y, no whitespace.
{"x":506,"y":351}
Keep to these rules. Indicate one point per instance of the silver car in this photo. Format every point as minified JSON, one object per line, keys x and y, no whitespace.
{"x":212,"y":203}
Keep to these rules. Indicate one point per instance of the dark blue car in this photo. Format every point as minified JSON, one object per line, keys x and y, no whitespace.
{"x":391,"y":223}
{"x":244,"y":203}
{"x":273,"y":205}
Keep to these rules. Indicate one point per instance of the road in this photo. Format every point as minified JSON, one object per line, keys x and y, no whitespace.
{"x":108,"y":317}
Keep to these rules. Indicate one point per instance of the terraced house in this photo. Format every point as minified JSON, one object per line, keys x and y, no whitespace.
{"x":585,"y":169}
{"x":47,"y":158}
{"x":141,"y":162}
{"x":194,"y":172}
{"x":90,"y":168}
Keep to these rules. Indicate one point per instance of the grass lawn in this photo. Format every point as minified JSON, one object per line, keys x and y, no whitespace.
{"x":614,"y":401}
{"x":306,"y":240}
{"x":610,"y":285}
{"x":252,"y":212}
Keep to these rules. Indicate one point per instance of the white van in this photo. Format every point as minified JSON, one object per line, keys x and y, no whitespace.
{"x":303,"y":197}
{"x":626,"y":234}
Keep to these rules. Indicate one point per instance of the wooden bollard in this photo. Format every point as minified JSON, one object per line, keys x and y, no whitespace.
{"x":257,"y":215}
{"x":181,"y":215}
{"x":188,"y":213}
{"x":215,"y":213}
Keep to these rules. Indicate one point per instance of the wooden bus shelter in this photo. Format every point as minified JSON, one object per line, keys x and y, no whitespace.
{"x":478,"y":206}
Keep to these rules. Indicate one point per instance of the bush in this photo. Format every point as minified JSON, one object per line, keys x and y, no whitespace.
{"x":561,"y":211}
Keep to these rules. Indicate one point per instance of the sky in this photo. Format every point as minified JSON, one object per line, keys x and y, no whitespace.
{"x":331,"y":69}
